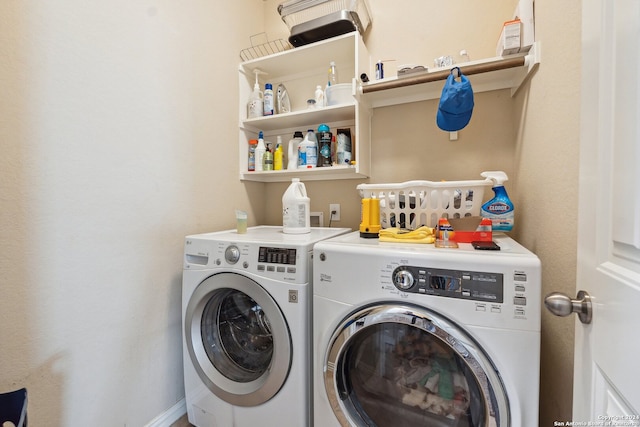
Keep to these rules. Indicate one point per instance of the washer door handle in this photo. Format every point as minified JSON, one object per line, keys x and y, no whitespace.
{"x":562,"y":305}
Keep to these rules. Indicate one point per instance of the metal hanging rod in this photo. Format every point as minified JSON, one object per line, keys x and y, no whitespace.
{"x":499,"y":64}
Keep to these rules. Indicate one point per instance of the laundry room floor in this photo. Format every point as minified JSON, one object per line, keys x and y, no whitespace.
{"x":182,"y":422}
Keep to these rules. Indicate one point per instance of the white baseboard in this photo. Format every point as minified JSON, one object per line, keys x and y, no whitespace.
{"x":169,"y":416}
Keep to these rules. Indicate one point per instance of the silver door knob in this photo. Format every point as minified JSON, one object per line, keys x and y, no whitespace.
{"x":562,"y":305}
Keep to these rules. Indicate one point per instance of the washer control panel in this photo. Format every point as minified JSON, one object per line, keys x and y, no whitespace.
{"x":281,"y":261}
{"x":286,"y":256}
{"x":464,"y":284}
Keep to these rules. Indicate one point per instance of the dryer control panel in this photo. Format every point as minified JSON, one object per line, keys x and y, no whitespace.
{"x":464,"y":284}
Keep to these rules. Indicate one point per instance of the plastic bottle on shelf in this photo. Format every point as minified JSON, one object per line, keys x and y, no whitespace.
{"x":308,"y":151}
{"x":260,"y":150}
{"x":255,"y":105}
{"x":319,"y":97}
{"x":296,"y":216}
{"x":324,"y":146}
{"x":268,"y":100}
{"x":252,"y":155}
{"x":343,"y":148}
{"x":278,"y":155}
{"x":499,"y":209}
{"x":292,"y":150}
{"x":268,"y":158}
{"x":333,"y":74}
{"x":283,"y":104}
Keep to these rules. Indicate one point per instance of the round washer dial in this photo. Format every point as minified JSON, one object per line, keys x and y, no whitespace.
{"x":232,"y":254}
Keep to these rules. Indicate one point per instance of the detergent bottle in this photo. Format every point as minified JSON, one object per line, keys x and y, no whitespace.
{"x":292,"y":150}
{"x":296,"y":217}
{"x":308,"y":151}
{"x":324,"y":137}
{"x":499,"y":209}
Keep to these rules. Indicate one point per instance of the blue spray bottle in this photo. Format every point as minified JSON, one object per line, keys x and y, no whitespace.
{"x":500,"y":208}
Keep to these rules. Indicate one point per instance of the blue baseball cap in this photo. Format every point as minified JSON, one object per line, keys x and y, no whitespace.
{"x":456,"y":103}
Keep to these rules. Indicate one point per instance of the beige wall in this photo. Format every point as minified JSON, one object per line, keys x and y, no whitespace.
{"x":116,"y":143}
{"x":533,"y":137}
{"x":547,"y":185}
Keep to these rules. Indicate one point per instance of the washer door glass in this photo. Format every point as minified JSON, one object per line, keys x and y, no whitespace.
{"x":237,"y":335}
{"x":238,"y":339}
{"x":396,"y":366}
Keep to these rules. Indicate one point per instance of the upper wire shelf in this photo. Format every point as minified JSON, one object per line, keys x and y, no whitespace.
{"x":260,"y":48}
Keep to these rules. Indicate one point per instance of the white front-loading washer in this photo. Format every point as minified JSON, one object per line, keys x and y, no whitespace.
{"x":411,"y":334}
{"x":246,"y":306}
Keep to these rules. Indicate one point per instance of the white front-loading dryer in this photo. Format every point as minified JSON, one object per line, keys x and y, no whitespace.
{"x":246,"y":306}
{"x":411,"y":334}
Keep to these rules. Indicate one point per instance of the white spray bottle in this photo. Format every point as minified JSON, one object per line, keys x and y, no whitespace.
{"x":255,"y":106}
{"x":499,"y":209}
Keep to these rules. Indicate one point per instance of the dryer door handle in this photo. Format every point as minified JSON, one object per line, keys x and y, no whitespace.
{"x":562,"y":305}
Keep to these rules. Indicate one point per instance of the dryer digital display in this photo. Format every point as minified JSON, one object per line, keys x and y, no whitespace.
{"x":474,"y":285}
{"x":277,"y":255}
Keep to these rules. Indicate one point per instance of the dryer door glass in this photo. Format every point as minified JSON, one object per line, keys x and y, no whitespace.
{"x":404,"y":366}
{"x":237,"y":335}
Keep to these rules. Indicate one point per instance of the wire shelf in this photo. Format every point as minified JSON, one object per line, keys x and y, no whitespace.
{"x":260,"y":48}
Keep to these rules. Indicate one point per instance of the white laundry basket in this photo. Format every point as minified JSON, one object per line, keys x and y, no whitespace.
{"x":413,"y":204}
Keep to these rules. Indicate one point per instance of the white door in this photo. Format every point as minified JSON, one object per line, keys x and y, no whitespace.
{"x":606,"y":375}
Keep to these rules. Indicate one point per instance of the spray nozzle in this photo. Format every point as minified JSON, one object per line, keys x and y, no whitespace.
{"x":498,"y":177}
{"x":260,"y":135}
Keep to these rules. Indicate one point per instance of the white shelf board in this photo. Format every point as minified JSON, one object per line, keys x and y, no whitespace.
{"x":301,"y":119}
{"x":313,"y":174}
{"x":508,"y":78}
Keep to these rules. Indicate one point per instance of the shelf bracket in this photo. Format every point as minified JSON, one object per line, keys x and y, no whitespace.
{"x":532,"y":61}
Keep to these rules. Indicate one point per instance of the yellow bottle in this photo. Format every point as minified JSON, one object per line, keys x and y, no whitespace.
{"x":278,"y":155}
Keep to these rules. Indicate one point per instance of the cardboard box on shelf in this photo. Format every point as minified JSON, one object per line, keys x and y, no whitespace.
{"x":509,"y":42}
{"x":522,"y":24}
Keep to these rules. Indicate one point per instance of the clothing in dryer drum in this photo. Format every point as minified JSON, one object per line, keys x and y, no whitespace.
{"x":394,"y":365}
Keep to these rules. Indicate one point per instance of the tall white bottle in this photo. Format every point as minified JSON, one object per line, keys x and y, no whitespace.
{"x":260,"y":150}
{"x":296,"y":215}
{"x":308,"y":151}
{"x":292,"y":154}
